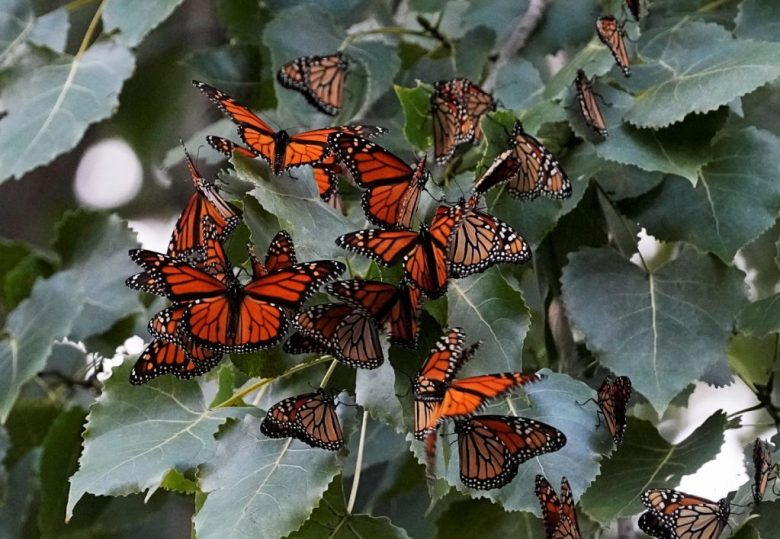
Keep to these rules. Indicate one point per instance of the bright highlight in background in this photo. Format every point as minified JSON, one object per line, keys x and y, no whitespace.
{"x":108,"y":175}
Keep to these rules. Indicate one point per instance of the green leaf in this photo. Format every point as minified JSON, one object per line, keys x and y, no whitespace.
{"x":758,"y":20}
{"x":663,"y":330}
{"x":135,"y":434}
{"x":51,"y":30}
{"x":16,"y":22}
{"x":227,"y":66}
{"x":480,"y":518}
{"x":313,"y":225}
{"x":416,"y":104}
{"x":4,"y":443}
{"x":490,"y":310}
{"x":763,"y":272}
{"x":175,"y":481}
{"x":59,"y":459}
{"x":697,"y":67}
{"x":23,"y":482}
{"x":50,"y":107}
{"x":380,"y":63}
{"x":735,"y":201}
{"x":761,"y":317}
{"x":552,"y":401}
{"x":20,"y":266}
{"x":768,"y":521}
{"x":330,"y":519}
{"x":752,"y":359}
{"x":244,"y":19}
{"x":518,"y":84}
{"x":620,"y":181}
{"x":471,"y":51}
{"x":646,"y":460}
{"x":133,"y":20}
{"x":261,"y":487}
{"x":501,"y":16}
{"x":375,"y":391}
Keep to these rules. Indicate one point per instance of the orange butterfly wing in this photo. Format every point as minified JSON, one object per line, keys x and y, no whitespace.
{"x":611,"y":33}
{"x":588,"y":106}
{"x":319,"y":78}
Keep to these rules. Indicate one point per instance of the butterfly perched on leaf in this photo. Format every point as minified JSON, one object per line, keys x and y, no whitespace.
{"x":612,"y":399}
{"x":491,"y":447}
{"x":762,"y":470}
{"x":319,"y":78}
{"x":438,"y":395}
{"x":393,"y":188}
{"x":310,"y":418}
{"x":457,"y":106}
{"x":479,"y":241}
{"x":224,"y":314}
{"x":397,"y":308}
{"x":560,"y":519}
{"x":279,"y":149}
{"x":612,"y":34}
{"x":527,"y":169}
{"x":673,"y":514}
{"x":347,"y":332}
{"x":589,"y":107}
{"x":423,"y":252}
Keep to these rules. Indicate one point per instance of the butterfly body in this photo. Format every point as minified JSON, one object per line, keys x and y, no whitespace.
{"x":612,"y":34}
{"x":588,"y":106}
{"x":613,"y":396}
{"x":310,"y":418}
{"x":675,"y":515}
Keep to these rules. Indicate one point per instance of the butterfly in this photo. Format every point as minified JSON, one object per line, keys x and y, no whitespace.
{"x":393,"y":188}
{"x":188,"y":233}
{"x":762,"y":468}
{"x":279,"y":149}
{"x":613,"y":396}
{"x":457,"y":106}
{"x":396,"y":307}
{"x":326,"y":172}
{"x":224,"y":314}
{"x":310,"y":418}
{"x":437,"y":395}
{"x":280,"y":255}
{"x":424,"y":253}
{"x":348,"y":333}
{"x":588,"y":105}
{"x":676,"y":515}
{"x":527,"y":168}
{"x":634,"y":8}
{"x":560,"y":520}
{"x":491,"y":447}
{"x":611,"y":33}
{"x":319,"y":78}
{"x":479,"y":240}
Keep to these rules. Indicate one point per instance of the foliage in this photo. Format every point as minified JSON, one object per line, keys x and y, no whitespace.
{"x":690,"y":158}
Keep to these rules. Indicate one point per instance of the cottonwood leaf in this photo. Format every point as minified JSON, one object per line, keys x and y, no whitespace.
{"x":16,"y":22}
{"x":261,"y":487}
{"x":136,"y":434}
{"x":135,"y":19}
{"x":737,"y":197}
{"x":646,"y":460}
{"x":761,"y":317}
{"x":381,"y":65}
{"x":375,"y":391}
{"x":23,"y":483}
{"x":552,"y":401}
{"x":697,"y":67}
{"x":490,"y":310}
{"x":486,"y":520}
{"x":416,"y":105}
{"x":51,"y":30}
{"x":758,"y":19}
{"x":663,"y":330}
{"x":50,"y":107}
{"x":330,"y":519}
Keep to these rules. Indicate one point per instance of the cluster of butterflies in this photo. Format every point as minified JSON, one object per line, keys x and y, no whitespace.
{"x":217,"y":308}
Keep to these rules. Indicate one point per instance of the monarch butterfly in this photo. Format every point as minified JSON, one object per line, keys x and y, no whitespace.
{"x":676,"y":515}
{"x":347,"y":332}
{"x":398,"y":308}
{"x":479,"y":241}
{"x":762,"y":467}
{"x":491,"y":447}
{"x":393,"y":188}
{"x":319,"y":78}
{"x":326,"y":172}
{"x":164,"y":357}
{"x":560,"y":520}
{"x":611,"y":33}
{"x":424,"y":253}
{"x":527,"y":168}
{"x":223,"y":314}
{"x":457,"y":106}
{"x":613,"y":396}
{"x":437,"y":395}
{"x":588,"y":105}
{"x":280,"y":255}
{"x":188,"y":234}
{"x":634,"y":8}
{"x":310,"y":418}
{"x":281,"y":150}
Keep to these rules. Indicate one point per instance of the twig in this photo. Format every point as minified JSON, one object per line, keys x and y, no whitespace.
{"x":517,"y":39}
{"x":358,"y":464}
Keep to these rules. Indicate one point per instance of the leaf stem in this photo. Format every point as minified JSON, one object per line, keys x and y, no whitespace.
{"x":329,"y":372}
{"x":358,"y":464}
{"x":75,"y":5}
{"x":91,"y":29}
{"x":235,"y":397}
